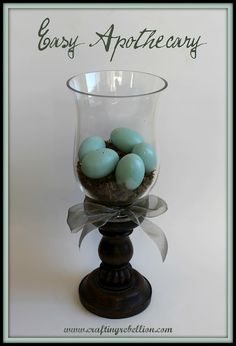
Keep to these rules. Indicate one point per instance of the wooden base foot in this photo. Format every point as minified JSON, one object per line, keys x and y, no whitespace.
{"x":115,"y":303}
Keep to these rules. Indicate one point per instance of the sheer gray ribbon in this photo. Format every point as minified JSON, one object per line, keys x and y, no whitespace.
{"x":89,"y":216}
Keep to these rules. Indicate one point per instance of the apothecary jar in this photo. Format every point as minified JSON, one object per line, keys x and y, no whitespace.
{"x":116,"y":158}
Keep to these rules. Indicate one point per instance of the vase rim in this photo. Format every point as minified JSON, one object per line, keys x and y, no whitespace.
{"x":68,"y":83}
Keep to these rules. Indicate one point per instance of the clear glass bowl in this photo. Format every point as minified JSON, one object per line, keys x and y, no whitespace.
{"x":107,"y":100}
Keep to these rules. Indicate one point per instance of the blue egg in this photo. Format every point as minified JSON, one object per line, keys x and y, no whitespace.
{"x":130,"y":171}
{"x":99,"y":163}
{"x":147,"y":154}
{"x":90,"y":144}
{"x":125,"y":139}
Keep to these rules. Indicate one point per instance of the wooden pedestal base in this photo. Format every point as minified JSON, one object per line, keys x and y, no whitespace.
{"x":115,"y":289}
{"x":115,"y":303}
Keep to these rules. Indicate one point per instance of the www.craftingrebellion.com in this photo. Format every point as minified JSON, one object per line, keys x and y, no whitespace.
{"x":102,"y":330}
{"x":111,"y":41}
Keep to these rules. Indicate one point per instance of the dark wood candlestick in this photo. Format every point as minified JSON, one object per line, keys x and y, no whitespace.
{"x":115,"y":289}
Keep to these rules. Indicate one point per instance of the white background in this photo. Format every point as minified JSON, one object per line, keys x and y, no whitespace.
{"x":46,"y":266}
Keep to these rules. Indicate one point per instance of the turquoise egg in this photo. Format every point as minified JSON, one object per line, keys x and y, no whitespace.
{"x":147,"y":154}
{"x":99,"y":163}
{"x":90,"y":144}
{"x":130,"y":171}
{"x":125,"y":139}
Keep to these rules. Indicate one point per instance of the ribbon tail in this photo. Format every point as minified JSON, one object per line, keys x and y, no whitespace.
{"x":157,"y":235}
{"x":88,"y":227}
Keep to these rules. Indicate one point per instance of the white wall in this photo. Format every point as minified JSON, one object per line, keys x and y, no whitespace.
{"x":189,"y":289}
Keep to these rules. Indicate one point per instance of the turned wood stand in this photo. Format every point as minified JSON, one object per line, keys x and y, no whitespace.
{"x":115,"y":289}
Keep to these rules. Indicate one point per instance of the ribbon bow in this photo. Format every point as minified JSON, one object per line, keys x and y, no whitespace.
{"x":89,"y":216}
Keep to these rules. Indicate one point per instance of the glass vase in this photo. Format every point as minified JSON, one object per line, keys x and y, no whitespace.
{"x":118,"y":108}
